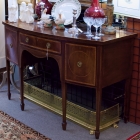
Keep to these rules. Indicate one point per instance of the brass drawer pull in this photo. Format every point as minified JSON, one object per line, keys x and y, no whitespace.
{"x":11,"y":45}
{"x":48,"y":45}
{"x":27,"y":40}
{"x":79,"y":64}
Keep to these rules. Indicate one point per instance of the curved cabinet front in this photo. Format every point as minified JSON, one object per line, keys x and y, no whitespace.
{"x":80,"y":64}
{"x":11,"y":45}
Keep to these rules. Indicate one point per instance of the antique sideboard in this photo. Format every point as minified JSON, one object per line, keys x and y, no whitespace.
{"x":81,"y":60}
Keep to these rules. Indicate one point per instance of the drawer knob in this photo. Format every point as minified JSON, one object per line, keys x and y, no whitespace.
{"x":79,"y":64}
{"x":11,"y":45}
{"x":27,"y":40}
{"x":48,"y":45}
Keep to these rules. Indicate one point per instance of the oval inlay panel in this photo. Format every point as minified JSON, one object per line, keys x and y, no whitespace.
{"x":82,"y":57}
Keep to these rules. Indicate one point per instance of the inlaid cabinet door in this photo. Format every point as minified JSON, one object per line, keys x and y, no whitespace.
{"x":80,"y":64}
{"x":11,"y":45}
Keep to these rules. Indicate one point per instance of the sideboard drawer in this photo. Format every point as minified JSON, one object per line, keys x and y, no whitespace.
{"x":11,"y":45}
{"x":52,"y":46}
{"x":80,"y":64}
{"x":27,"y":39}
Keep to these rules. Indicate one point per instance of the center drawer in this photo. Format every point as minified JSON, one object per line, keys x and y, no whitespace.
{"x":50,"y":45}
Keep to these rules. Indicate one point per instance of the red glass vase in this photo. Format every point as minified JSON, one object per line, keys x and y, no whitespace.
{"x":94,"y":10}
{"x":47,"y":5}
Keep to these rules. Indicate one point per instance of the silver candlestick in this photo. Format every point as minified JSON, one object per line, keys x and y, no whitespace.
{"x":74,"y":29}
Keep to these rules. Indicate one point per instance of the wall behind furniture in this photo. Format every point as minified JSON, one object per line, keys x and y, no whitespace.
{"x":2,"y":35}
{"x":133,"y":25}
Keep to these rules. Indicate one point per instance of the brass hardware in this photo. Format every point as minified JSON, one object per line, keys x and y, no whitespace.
{"x":115,"y":125}
{"x":91,"y":132}
{"x":27,"y":40}
{"x":11,"y":45}
{"x":48,"y":45}
{"x":54,"y":103}
{"x":79,"y":64}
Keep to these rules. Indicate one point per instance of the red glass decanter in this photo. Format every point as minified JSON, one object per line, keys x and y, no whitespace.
{"x":94,"y":10}
{"x":47,"y":5}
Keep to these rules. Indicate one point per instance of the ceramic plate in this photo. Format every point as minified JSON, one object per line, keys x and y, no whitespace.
{"x":66,"y":6}
{"x":52,"y":0}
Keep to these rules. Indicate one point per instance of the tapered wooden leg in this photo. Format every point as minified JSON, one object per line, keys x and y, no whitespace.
{"x":64,"y":100}
{"x":127,"y":100}
{"x":98,"y":109}
{"x":8,"y":77}
{"x":97,"y":134}
{"x":21,"y":88}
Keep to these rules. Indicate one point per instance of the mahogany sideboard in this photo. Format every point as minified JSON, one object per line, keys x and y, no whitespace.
{"x":81,"y":60}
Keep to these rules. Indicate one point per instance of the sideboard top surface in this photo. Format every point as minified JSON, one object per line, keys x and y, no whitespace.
{"x":64,"y":35}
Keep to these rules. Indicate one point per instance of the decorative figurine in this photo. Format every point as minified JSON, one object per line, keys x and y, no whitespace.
{"x":42,"y":7}
{"x":12,"y":10}
{"x":22,"y":16}
{"x":29,"y":13}
{"x":47,"y":5}
{"x":41,"y":4}
{"x":46,"y":18}
{"x":109,"y":11}
{"x":60,"y":21}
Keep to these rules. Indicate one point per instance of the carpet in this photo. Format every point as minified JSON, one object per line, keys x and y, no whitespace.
{"x":12,"y":129}
{"x":135,"y":136}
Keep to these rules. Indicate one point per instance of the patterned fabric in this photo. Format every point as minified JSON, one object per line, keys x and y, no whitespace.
{"x":11,"y":129}
{"x":135,"y":137}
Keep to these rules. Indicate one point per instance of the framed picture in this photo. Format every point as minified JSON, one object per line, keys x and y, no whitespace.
{"x":129,"y":8}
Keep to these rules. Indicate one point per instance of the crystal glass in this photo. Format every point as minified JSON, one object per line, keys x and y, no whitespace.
{"x":94,"y":12}
{"x":89,"y":21}
{"x":97,"y":23}
{"x":87,"y":30}
{"x":102,"y":22}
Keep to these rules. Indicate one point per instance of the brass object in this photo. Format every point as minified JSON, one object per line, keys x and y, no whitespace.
{"x":48,"y":45}
{"x":115,"y":125}
{"x":11,"y":45}
{"x":109,"y":2}
{"x":27,"y":40}
{"x":76,"y":113}
{"x":109,"y":13}
{"x":79,"y":64}
{"x":91,"y":132}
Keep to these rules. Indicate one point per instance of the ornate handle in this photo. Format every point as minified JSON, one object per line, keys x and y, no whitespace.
{"x":48,"y":45}
{"x":11,"y":45}
{"x":79,"y":64}
{"x":27,"y":40}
